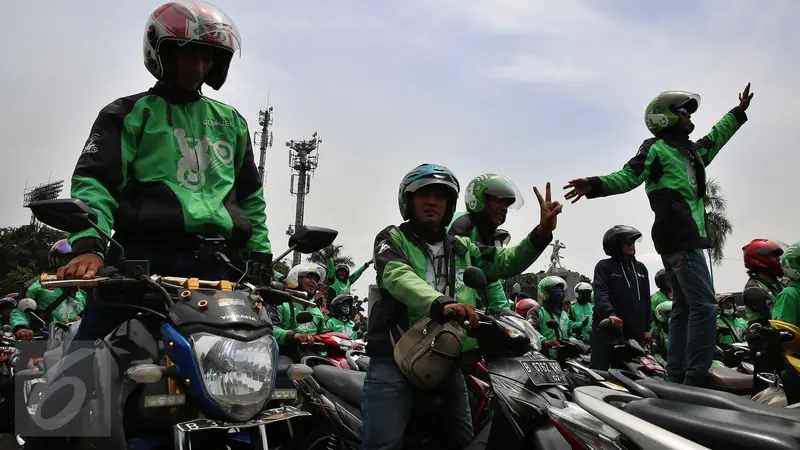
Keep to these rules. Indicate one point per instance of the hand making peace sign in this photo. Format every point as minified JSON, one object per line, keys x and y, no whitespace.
{"x":549,"y":210}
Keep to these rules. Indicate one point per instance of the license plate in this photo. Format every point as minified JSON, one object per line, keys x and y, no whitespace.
{"x":265,"y":417}
{"x":544,"y":372}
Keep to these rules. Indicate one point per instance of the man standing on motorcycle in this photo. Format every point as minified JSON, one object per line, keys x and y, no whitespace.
{"x":163,"y":166}
{"x":583,"y":308}
{"x":286,"y":329}
{"x":763,"y":263}
{"x":66,"y":303}
{"x":663,"y":294}
{"x":622,"y":294}
{"x":787,"y":307}
{"x":341,"y":310}
{"x":729,"y":320}
{"x":673,"y":170}
{"x":340,"y":280}
{"x":488,"y":198}
{"x":419,"y":269}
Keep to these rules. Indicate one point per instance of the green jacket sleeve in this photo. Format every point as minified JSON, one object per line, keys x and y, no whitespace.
{"x":398,"y":278}
{"x":496,"y":296}
{"x":786,"y":306}
{"x":712,"y":143}
{"x":632,"y":174}
{"x":357,"y":274}
{"x":500,"y":263}
{"x":281,"y":328}
{"x":250,"y":192}
{"x":102,"y":169}
{"x":331,"y":271}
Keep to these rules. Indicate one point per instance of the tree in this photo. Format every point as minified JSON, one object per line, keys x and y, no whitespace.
{"x":718,"y":226}
{"x":334,"y":251}
{"x":23,"y":254}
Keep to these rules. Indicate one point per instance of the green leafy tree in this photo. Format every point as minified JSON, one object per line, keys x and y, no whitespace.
{"x":23,"y":254}
{"x":718,"y":226}
{"x":334,"y":251}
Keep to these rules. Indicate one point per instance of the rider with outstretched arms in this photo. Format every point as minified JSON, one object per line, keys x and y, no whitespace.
{"x":787,"y":307}
{"x":419,"y":269}
{"x":71,"y":301}
{"x":673,"y":169}
{"x":488,"y":198}
{"x":622,"y":294}
{"x":339,"y":278}
{"x":762,"y":260}
{"x":163,"y":166}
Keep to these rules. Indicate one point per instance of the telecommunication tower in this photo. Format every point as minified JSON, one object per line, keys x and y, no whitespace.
{"x":303,"y":159}
{"x":263,"y":139}
{"x":45,"y":191}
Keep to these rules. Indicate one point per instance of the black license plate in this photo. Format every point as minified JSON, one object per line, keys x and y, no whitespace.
{"x":544,"y":372}
{"x":265,"y":417}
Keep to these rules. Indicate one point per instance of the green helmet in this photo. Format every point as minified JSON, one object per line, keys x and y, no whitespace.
{"x":547,"y":283}
{"x":660,"y":113}
{"x":663,"y":311}
{"x":790,"y":262}
{"x":491,"y":184}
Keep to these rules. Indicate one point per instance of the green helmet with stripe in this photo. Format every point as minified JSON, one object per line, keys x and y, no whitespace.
{"x":491,"y":184}
{"x":660,"y":113}
{"x":663,"y":311}
{"x":790,"y":262}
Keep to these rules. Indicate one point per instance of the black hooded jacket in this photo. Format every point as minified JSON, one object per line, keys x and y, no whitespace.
{"x":622,"y":289}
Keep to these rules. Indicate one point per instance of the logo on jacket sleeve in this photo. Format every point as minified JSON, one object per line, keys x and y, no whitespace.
{"x":196,"y":158}
{"x":90,"y":146}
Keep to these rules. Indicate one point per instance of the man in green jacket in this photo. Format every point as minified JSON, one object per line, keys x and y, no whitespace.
{"x":339,"y":278}
{"x":72,"y":300}
{"x":287,"y":331}
{"x":488,"y":198}
{"x":673,"y":170}
{"x":729,"y":319}
{"x":787,"y":307}
{"x":583,"y":307}
{"x":663,"y":294}
{"x":420,"y":269}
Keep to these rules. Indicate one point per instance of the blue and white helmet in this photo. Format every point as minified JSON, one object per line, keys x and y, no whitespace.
{"x":424,"y":175}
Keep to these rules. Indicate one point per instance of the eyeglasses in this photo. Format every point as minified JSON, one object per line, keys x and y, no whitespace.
{"x":681,"y":110}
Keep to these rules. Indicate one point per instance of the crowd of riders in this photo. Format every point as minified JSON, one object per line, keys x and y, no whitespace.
{"x":164,"y":165}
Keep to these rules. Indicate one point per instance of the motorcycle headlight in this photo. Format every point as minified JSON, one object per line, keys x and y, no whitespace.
{"x":237,"y":375}
{"x":345,"y":344}
{"x":520,"y":326}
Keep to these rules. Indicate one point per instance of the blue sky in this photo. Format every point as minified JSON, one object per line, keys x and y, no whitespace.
{"x":534,"y":90}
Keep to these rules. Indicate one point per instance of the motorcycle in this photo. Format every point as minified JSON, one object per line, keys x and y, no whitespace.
{"x":330,"y":348}
{"x":629,"y":355}
{"x":197,"y":364}
{"x":523,"y":384}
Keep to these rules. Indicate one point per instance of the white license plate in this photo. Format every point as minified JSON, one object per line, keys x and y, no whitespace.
{"x":265,"y":417}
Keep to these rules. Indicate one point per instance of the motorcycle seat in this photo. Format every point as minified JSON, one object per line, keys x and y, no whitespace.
{"x":731,"y":381}
{"x":345,"y":384}
{"x":715,"y":399}
{"x":718,"y":428}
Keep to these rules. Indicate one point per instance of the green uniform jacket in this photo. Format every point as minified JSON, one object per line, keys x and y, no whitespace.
{"x":579,"y":312}
{"x":548,"y":333}
{"x":462,"y":225}
{"x":166,"y":164}
{"x":342,"y":287}
{"x":736,"y":324}
{"x":673,"y":170}
{"x":759,"y":300}
{"x":68,"y":309}
{"x":787,"y":307}
{"x":337,"y":326}
{"x":282,"y":330}
{"x":402,"y":260}
{"x":655,"y":300}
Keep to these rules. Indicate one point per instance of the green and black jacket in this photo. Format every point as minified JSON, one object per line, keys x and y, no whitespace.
{"x":401,"y":261}
{"x":673,"y":170}
{"x":171,"y":164}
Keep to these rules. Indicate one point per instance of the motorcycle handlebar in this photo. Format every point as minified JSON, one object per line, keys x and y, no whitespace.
{"x":605,"y":323}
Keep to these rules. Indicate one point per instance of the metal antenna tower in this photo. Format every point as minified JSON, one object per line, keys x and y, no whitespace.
{"x":263,"y":139}
{"x":303,"y":159}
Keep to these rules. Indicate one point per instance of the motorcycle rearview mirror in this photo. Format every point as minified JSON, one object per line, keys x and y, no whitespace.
{"x":311,"y":239}
{"x":475,"y":278}
{"x":552,"y":324}
{"x":305,"y":317}
{"x":516,"y":290}
{"x":71,"y":215}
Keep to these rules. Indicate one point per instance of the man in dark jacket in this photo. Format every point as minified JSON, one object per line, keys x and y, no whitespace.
{"x":673,"y":170}
{"x":622,"y":294}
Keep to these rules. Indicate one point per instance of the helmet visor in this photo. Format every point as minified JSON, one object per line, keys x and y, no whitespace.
{"x":503,"y":188}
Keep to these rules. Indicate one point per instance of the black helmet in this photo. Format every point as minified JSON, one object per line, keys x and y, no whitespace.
{"x":341,"y":306}
{"x":661,"y":279}
{"x":612,"y":240}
